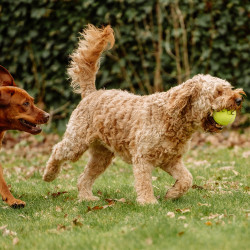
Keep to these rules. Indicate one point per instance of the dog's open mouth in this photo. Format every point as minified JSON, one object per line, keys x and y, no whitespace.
{"x":214,"y":123}
{"x":210,"y":125}
{"x":30,"y":126}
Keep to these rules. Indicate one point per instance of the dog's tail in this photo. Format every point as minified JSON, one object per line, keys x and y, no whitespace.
{"x":86,"y":58}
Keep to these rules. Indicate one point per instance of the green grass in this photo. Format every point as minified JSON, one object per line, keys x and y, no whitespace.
{"x":216,"y":217}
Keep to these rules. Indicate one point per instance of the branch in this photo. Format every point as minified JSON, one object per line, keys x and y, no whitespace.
{"x":176,"y":44}
{"x":157,"y":77}
{"x":184,"y":41}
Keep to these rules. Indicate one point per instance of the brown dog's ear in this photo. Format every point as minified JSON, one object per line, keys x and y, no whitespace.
{"x":6,"y":78}
{"x":5,"y":96}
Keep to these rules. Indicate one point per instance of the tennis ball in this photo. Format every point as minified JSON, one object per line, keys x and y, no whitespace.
{"x":224,"y":117}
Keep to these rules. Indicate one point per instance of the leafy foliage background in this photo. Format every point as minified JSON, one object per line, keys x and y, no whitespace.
{"x":158,"y":44}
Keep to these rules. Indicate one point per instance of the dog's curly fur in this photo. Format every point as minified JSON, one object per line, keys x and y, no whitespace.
{"x":146,"y":131}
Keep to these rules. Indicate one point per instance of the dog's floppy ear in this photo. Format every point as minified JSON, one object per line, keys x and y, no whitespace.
{"x":182,"y":98}
{"x":5,"y":96}
{"x":6,"y":78}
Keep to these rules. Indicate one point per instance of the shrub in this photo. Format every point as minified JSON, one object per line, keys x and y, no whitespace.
{"x":158,"y":44}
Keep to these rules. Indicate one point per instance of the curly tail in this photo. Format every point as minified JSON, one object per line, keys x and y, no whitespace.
{"x":86,"y":58}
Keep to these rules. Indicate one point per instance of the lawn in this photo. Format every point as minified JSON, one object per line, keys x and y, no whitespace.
{"x":214,"y":214}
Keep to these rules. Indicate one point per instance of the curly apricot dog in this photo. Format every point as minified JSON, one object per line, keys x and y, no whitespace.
{"x":146,"y":131}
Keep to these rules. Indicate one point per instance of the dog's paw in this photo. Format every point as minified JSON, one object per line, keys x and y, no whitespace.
{"x":49,"y":177}
{"x":15,"y":203}
{"x":147,"y":201}
{"x":88,"y":198}
{"x":172,"y":194}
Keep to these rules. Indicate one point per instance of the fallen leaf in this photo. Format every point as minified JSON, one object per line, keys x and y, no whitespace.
{"x":235,"y":172}
{"x":99,"y":192}
{"x":77,"y":223}
{"x":213,"y":216}
{"x":226,"y":168}
{"x":183,"y":211}
{"x":154,"y":178}
{"x":246,"y":154}
{"x":109,"y":200}
{"x":197,"y":187}
{"x":21,"y":215}
{"x":204,"y":204}
{"x":61,"y":227}
{"x":208,"y":223}
{"x":58,"y":209}
{"x":149,"y":241}
{"x":54,"y":195}
{"x":15,"y":241}
{"x":180,"y":233}
{"x":122,"y":200}
{"x":5,"y":207}
{"x":94,"y":208}
{"x":3,"y":227}
{"x":6,"y":232}
{"x":171,"y":214}
{"x":181,"y":217}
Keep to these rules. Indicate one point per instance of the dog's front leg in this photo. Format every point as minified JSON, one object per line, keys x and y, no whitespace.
{"x":143,"y":181}
{"x":6,"y":194}
{"x":183,"y":179}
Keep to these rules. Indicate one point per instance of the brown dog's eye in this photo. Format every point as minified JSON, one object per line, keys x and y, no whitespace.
{"x":26,"y":104}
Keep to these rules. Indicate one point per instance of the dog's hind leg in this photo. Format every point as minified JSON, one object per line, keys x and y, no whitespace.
{"x":68,"y":149}
{"x":99,"y":159}
{"x":183,"y":179}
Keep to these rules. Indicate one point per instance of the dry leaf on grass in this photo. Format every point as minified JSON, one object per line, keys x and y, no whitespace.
{"x":197,"y":187}
{"x":171,"y":214}
{"x":15,"y":241}
{"x":6,"y":231}
{"x":99,"y":192}
{"x":61,"y":227}
{"x":77,"y":223}
{"x":213,"y":216}
{"x":58,"y":209}
{"x":246,"y":154}
{"x":54,"y":195}
{"x":204,"y":204}
{"x":180,"y":233}
{"x":122,"y":200}
{"x":94,"y":208}
{"x":226,"y":168}
{"x":208,"y":223}
{"x":182,"y":218}
{"x":149,"y":241}
{"x":183,"y":211}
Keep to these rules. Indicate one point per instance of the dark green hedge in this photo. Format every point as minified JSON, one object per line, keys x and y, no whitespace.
{"x":158,"y":44}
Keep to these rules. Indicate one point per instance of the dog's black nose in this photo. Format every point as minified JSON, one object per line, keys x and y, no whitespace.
{"x":46,"y":116}
{"x":238,"y":101}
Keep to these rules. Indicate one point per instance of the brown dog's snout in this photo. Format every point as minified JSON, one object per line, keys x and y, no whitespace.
{"x":238,"y":101}
{"x":46,"y":117}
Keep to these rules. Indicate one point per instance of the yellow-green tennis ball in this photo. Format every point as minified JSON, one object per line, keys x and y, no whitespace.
{"x":224,"y":117}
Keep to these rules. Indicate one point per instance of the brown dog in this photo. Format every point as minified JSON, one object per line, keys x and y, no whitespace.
{"x":17,"y":112}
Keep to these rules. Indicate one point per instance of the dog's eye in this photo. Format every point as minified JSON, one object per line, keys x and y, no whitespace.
{"x":219,"y":92}
{"x":26,"y":104}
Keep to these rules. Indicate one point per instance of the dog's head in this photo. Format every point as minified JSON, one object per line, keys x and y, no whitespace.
{"x":17,"y":109}
{"x":200,"y":96}
{"x":215,"y":95}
